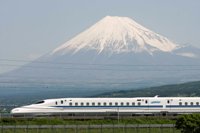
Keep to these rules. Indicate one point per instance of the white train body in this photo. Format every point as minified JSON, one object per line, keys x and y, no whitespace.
{"x":139,"y":105}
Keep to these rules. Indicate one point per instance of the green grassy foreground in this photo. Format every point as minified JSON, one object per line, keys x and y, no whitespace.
{"x":60,"y":121}
{"x":104,"y":130}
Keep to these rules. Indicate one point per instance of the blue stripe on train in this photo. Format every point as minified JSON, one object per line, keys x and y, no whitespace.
{"x":183,"y":106}
{"x":154,"y":106}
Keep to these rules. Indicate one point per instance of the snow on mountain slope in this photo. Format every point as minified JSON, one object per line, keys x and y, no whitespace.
{"x":117,"y":35}
{"x":188,"y":51}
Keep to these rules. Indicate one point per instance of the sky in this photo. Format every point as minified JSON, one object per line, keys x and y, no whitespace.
{"x":32,"y":28}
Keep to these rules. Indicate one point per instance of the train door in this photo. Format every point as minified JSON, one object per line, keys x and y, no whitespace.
{"x":169,"y":103}
{"x":147,"y":104}
{"x":164,"y":106}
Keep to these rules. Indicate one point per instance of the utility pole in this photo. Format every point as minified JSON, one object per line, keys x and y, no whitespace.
{"x":118,"y":114}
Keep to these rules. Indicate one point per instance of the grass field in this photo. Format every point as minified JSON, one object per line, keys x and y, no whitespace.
{"x":79,"y":129}
{"x":93,"y":131}
{"x":89,"y":130}
{"x":62,"y":121}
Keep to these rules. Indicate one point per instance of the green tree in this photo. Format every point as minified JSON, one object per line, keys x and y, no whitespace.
{"x":189,"y":123}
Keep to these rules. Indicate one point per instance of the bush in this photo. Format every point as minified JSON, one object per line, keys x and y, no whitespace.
{"x":189,"y":123}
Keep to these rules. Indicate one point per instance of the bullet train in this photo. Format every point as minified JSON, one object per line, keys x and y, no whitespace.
{"x":138,"y":105}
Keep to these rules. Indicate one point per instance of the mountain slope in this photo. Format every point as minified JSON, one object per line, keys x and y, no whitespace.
{"x":185,"y":89}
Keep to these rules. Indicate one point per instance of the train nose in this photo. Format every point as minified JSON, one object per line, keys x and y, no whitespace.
{"x":15,"y":110}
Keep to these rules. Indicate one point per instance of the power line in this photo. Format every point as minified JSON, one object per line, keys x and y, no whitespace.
{"x":94,"y":69}
{"x":94,"y":64}
{"x":63,"y":84}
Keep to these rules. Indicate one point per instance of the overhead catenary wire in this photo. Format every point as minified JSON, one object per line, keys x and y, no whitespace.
{"x":92,"y":64}
{"x":102,"y":69}
{"x":85,"y":67}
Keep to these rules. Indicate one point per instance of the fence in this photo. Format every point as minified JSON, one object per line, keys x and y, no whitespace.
{"x":139,"y":128}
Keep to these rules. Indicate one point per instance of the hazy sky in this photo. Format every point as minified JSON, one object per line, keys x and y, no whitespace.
{"x":31,"y":28}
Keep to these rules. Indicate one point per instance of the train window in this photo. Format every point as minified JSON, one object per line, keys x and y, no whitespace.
{"x":180,"y":103}
{"x":61,"y":101}
{"x":197,"y":103}
{"x":191,"y":103}
{"x":87,"y":104}
{"x":93,"y":104}
{"x":39,"y":102}
{"x":127,"y":104}
{"x":138,"y":99}
{"x":116,"y":104}
{"x":122,"y":104}
{"x":104,"y":104}
{"x":139,"y":103}
{"x":133,"y":104}
{"x":82,"y":104}
{"x":56,"y":103}
{"x":70,"y":104}
{"x":168,"y":101}
{"x":99,"y":104}
{"x":110,"y":104}
{"x":186,"y":103}
{"x":146,"y":101}
{"x":76,"y":104}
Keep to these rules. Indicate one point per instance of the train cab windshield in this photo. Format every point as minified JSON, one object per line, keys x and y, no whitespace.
{"x":39,"y":102}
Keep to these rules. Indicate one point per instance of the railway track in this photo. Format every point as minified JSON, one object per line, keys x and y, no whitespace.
{"x":88,"y":116}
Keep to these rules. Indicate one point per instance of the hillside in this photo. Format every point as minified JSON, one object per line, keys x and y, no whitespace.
{"x":185,"y":89}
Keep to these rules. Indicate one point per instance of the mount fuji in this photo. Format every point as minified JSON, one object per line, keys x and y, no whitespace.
{"x":117,"y":35}
{"x":115,"y":53}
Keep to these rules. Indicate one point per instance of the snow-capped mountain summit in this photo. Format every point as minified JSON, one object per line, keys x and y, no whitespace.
{"x":116,"y":53}
{"x":117,"y":35}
